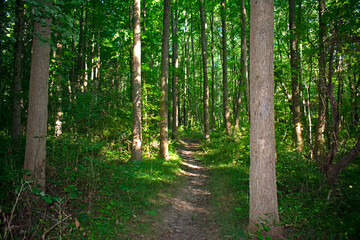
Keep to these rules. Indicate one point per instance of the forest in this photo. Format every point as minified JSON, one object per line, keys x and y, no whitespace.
{"x":168,"y":119}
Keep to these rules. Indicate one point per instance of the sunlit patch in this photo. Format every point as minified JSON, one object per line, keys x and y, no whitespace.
{"x":350,"y":186}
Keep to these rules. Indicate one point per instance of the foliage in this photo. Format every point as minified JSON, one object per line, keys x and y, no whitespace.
{"x":308,"y":207}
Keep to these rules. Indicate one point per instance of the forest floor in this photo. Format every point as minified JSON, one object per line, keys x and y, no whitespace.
{"x":189,"y":214}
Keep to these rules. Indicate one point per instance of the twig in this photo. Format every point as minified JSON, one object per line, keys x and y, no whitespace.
{"x":62,"y":220}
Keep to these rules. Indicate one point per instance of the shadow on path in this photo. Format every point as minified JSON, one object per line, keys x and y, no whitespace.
{"x":189,"y":215}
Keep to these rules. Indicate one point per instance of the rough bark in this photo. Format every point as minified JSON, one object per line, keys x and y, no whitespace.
{"x":164,"y":146}
{"x":205,"y":70}
{"x":136,"y":153}
{"x":16,"y":105}
{"x":35,"y":150}
{"x":294,"y":63}
{"x":224,"y":62}
{"x":175,"y":80}
{"x":263,"y":191}
{"x":243,"y":62}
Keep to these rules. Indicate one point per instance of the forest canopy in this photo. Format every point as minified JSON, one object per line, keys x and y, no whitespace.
{"x":96,"y":96}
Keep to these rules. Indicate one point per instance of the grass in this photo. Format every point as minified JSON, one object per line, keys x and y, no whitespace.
{"x":90,"y":193}
{"x":307,"y":207}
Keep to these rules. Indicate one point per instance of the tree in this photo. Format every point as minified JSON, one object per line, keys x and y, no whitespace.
{"x":263,"y":190}
{"x":294,"y":62}
{"x":136,"y":153}
{"x":164,"y":148}
{"x":224,"y":55}
{"x":175,"y":63}
{"x":322,"y":96}
{"x":243,"y":64}
{"x":205,"y":70}
{"x":212,"y":72}
{"x":19,"y":30}
{"x":35,"y":150}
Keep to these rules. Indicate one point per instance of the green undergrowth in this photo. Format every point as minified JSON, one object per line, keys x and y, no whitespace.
{"x":308,"y":207}
{"x":89,"y":195}
{"x":227,"y":159}
{"x":92,"y":191}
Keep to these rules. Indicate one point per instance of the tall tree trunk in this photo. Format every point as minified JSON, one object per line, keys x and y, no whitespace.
{"x":35,"y":150}
{"x":205,"y":70}
{"x":225,"y":80}
{"x":185,"y":100}
{"x":263,"y":191}
{"x":80,"y":56}
{"x":212,"y":124}
{"x":294,"y":62}
{"x":194,"y":67}
{"x":175,"y":81}
{"x":58,"y":117}
{"x":18,"y":49}
{"x":243,"y":60}
{"x":136,"y":153}
{"x":320,"y":148}
{"x":164,"y":146}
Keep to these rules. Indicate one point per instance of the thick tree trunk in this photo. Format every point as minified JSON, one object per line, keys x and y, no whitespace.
{"x":19,"y":31}
{"x":175,"y":82}
{"x":320,"y":148}
{"x":225,"y":88}
{"x":294,"y":62}
{"x":35,"y":150}
{"x":205,"y":70}
{"x":164,"y":148}
{"x":243,"y":60}
{"x":136,"y":153}
{"x":263,"y":191}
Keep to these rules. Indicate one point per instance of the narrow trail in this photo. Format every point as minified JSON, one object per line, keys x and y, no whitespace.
{"x":189,"y":215}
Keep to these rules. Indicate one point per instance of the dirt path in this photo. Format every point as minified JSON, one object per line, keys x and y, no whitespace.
{"x":189,"y":215}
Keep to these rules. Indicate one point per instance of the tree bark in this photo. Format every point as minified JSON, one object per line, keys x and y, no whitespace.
{"x":320,"y":148}
{"x":175,"y":82}
{"x":136,"y":153}
{"x":225,"y":80}
{"x":263,"y":191}
{"x":294,"y":63}
{"x":205,"y":70}
{"x":18,"y":49}
{"x":164,"y":148}
{"x":35,"y":150}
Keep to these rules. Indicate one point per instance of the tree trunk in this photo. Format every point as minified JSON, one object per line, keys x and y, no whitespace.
{"x":35,"y":150}
{"x":136,"y":153}
{"x":243,"y":60}
{"x":175,"y":82}
{"x":320,"y":148}
{"x":193,"y":70}
{"x":205,"y":71}
{"x":263,"y":191}
{"x":19,"y":31}
{"x":294,"y":62}
{"x":333,"y":170}
{"x":164,"y":148}
{"x":225,"y":90}
{"x":212,"y":73}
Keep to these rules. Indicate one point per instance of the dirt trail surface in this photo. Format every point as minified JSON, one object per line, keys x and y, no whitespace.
{"x":189,"y":215}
